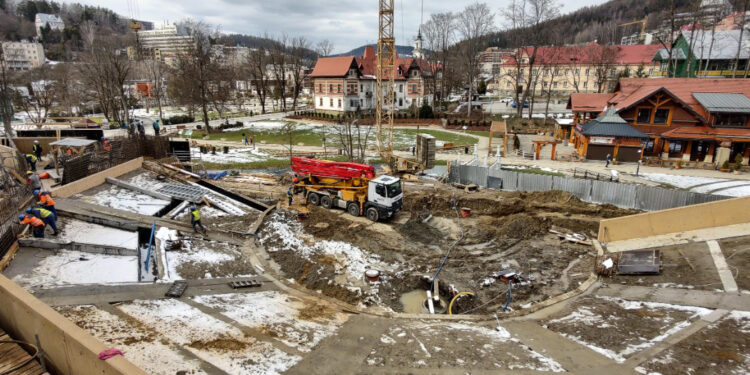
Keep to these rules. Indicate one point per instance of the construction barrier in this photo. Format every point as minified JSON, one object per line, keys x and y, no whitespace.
{"x":676,"y":220}
{"x":640,"y":197}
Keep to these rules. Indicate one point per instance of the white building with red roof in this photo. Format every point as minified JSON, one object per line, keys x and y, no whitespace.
{"x":348,"y":83}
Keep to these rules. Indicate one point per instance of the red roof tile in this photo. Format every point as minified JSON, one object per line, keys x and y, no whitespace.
{"x":704,"y":132}
{"x":367,"y":65}
{"x":333,"y":66}
{"x":590,"y":54}
{"x":587,"y":102}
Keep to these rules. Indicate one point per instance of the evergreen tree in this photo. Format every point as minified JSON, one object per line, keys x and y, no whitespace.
{"x":425,"y":111}
{"x":481,"y":87}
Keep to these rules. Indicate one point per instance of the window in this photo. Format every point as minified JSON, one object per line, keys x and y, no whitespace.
{"x":587,"y":71}
{"x":361,"y":102}
{"x":567,"y":71}
{"x":585,"y":85}
{"x":338,"y":88}
{"x":554,"y":85}
{"x":321,"y":102}
{"x":330,"y":87}
{"x":644,"y":116}
{"x":651,"y":71}
{"x":649,"y":147}
{"x":661,"y":116}
{"x":351,"y":103}
{"x":731,"y":120}
{"x":320,"y":87}
{"x":544,"y":84}
{"x":331,"y":102}
{"x":401,"y":88}
{"x":565,"y":84}
{"x":339,"y":103}
{"x":400,"y":102}
{"x":578,"y":71}
{"x":414,"y":89}
{"x":507,"y":85}
{"x":360,"y":87}
{"x":394,"y":189}
{"x":380,"y":190}
{"x":675,"y":147}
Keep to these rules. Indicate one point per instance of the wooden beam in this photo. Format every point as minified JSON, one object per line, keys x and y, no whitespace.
{"x":5,"y":261}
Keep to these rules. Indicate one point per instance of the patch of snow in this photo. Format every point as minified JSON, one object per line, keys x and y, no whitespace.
{"x":126,"y":200}
{"x":191,"y":253}
{"x":585,"y":316}
{"x":235,"y":155}
{"x":185,"y":325}
{"x":69,"y":267}
{"x":636,"y":305}
{"x":278,"y":313}
{"x":608,"y":263}
{"x":84,"y":232}
{"x":702,"y":184}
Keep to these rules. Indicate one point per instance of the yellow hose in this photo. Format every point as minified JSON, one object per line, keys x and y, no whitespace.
{"x":450,"y":305}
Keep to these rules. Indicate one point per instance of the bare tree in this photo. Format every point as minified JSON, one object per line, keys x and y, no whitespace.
{"x":104,"y":71}
{"x":67,"y":87}
{"x":353,"y":139}
{"x":39,"y":96}
{"x":439,"y":32}
{"x":324,"y":48}
{"x":257,"y":65}
{"x":6,"y":98}
{"x":741,"y":24}
{"x":603,"y":61}
{"x":288,"y":131}
{"x":279,"y":68}
{"x":157,"y":71}
{"x":298,"y":60}
{"x":667,"y":41}
{"x":527,"y":18}
{"x":473,"y":23}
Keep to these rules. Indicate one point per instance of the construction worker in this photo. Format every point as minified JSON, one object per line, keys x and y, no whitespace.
{"x":46,"y":201}
{"x":290,"y":194}
{"x":195,"y":219}
{"x":31,"y":159}
{"x":46,"y":215}
{"x":106,"y":145}
{"x":33,"y":180}
{"x":37,"y":149}
{"x":156,"y":127}
{"x":37,"y":226}
{"x":141,"y":130}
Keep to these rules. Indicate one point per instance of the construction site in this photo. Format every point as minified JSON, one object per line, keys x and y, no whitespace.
{"x":471,"y":265}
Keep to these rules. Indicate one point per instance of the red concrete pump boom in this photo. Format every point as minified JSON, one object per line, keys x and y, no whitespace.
{"x":331,"y":169}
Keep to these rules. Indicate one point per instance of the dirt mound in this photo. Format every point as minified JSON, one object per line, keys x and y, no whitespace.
{"x":522,"y":226}
{"x":315,"y":276}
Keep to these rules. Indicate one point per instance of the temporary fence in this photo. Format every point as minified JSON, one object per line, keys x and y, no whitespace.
{"x":96,"y":159}
{"x":633,"y":196}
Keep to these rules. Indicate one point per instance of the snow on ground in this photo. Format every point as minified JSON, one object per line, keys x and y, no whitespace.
{"x":75,"y":267}
{"x":124,"y":199}
{"x":203,"y":253}
{"x":145,"y":179}
{"x":280,"y":314}
{"x":137,"y":344}
{"x":83,"y":232}
{"x":235,"y":155}
{"x":283,"y":234}
{"x":730,"y":187}
{"x":223,"y":345}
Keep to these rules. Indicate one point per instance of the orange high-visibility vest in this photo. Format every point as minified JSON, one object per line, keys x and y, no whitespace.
{"x":34,"y":221}
{"x":46,"y":199}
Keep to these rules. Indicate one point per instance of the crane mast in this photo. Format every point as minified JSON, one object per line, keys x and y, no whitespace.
{"x":385,"y":80}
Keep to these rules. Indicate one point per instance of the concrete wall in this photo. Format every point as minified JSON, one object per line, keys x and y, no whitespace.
{"x":25,"y":144}
{"x":674,"y":220}
{"x":66,"y":191}
{"x":69,"y":349}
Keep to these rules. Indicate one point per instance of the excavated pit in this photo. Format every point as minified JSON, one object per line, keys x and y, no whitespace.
{"x":508,"y":230}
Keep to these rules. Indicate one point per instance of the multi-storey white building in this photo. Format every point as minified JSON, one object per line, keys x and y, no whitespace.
{"x":348,"y":84}
{"x":165,"y":43}
{"x":20,"y":56}
{"x":42,"y":20}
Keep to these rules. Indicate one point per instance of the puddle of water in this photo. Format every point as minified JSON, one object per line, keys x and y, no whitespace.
{"x":413,"y":302}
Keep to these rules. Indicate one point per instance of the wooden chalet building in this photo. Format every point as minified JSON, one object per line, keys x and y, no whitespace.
{"x":685,"y":119}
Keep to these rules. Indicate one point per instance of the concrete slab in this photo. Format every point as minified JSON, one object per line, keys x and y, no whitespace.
{"x":721,"y":265}
{"x":699,"y":235}
{"x":685,"y":297}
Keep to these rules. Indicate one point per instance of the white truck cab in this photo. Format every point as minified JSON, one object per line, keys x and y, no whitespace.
{"x":385,"y":196}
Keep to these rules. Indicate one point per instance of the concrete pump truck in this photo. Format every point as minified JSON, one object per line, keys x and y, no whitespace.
{"x":351,"y":186}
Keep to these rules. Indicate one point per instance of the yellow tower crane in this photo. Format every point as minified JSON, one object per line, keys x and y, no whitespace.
{"x":384,"y":91}
{"x":642,"y":35}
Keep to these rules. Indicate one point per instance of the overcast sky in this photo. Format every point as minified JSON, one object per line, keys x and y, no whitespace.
{"x":346,"y":23}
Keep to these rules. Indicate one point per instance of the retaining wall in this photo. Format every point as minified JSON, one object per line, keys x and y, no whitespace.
{"x":96,"y":179}
{"x":68,"y":349}
{"x":675,"y":220}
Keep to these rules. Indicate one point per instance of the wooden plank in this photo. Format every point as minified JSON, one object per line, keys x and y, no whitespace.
{"x":13,"y":355}
{"x":5,"y":261}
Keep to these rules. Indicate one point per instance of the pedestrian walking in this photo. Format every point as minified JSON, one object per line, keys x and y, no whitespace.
{"x":37,"y":225}
{"x":290,"y":194}
{"x":33,"y":180}
{"x":195,"y":219}
{"x":37,"y":149}
{"x":46,"y":216}
{"x":609,"y":160}
{"x":141,"y":130}
{"x":31,"y":159}
{"x":244,"y":139}
{"x":156,"y":127}
{"x":251,"y":140}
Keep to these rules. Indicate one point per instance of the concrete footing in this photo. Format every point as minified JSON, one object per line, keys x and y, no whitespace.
{"x":52,"y":244}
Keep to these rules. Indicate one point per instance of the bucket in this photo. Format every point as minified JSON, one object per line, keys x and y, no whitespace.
{"x":301,"y":217}
{"x":465,"y":212}
{"x":372,"y":275}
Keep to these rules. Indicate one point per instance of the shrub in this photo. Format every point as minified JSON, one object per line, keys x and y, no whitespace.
{"x":178,"y":119}
{"x":725,"y":165}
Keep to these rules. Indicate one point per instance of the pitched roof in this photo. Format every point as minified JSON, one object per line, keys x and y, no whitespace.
{"x":719,"y":102}
{"x":631,"y":91}
{"x":333,"y":66}
{"x":587,"y":102}
{"x":590,"y":54}
{"x":611,"y":125}
{"x":724,"y":47}
{"x":705,"y":132}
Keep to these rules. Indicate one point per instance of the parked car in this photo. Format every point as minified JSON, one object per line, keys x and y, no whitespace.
{"x":506,"y":100}
{"x":515,"y":105}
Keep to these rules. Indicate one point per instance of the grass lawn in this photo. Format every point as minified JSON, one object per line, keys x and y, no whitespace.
{"x":284,"y":163}
{"x":314,"y":136}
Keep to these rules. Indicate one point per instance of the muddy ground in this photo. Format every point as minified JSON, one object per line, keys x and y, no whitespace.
{"x":721,"y":348}
{"x":508,"y":230}
{"x":737,"y":254}
{"x":686,"y":266}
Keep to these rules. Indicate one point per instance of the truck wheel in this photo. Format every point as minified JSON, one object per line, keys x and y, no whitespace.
{"x":326,"y":201}
{"x":353,"y":209}
{"x":372,"y":214}
{"x":314,"y":199}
